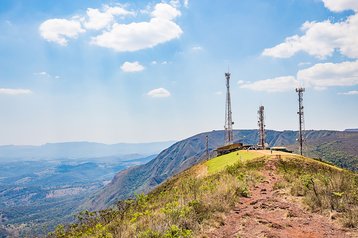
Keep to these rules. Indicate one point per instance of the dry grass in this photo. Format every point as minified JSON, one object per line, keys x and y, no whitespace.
{"x":181,"y":207}
{"x":325,"y":188}
{"x":187,"y":204}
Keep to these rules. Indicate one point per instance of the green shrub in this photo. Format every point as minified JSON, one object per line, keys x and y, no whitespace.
{"x":149,"y":233}
{"x":176,"y":232}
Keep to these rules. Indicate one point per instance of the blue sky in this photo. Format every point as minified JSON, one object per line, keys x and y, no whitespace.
{"x":140,"y":71}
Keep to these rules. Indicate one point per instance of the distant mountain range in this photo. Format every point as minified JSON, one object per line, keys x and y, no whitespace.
{"x":44,"y":193}
{"x":352,"y":130}
{"x":79,"y":150}
{"x":339,"y":148}
{"x":188,"y":152}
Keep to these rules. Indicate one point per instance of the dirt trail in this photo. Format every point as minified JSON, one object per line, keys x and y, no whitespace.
{"x":274,"y":214}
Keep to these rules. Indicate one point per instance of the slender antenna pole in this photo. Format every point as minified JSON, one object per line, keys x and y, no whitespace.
{"x":207,"y":147}
{"x":261,"y":124}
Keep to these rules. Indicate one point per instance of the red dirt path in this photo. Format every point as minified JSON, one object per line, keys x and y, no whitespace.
{"x":275,"y":214}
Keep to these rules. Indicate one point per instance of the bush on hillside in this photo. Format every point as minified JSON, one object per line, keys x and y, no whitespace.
{"x":324,"y":188}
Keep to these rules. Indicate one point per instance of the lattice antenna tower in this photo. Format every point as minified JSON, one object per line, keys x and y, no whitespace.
{"x":229,"y":138}
{"x":301,"y":118}
{"x":261,"y":124}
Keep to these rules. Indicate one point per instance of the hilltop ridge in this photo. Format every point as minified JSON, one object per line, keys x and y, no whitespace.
{"x":188,"y":152}
{"x":271,"y":211}
{"x":242,"y":194}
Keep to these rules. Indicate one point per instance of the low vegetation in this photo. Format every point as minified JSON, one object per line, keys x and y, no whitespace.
{"x":220,"y":163}
{"x":324,"y":188}
{"x":196,"y":199}
{"x":181,"y":207}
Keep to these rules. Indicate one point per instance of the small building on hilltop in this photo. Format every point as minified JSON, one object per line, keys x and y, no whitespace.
{"x":281,"y":148}
{"x":231,"y":148}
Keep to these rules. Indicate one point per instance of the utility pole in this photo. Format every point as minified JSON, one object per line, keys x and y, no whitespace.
{"x":207,"y":147}
{"x":300,"y":117}
{"x":261,"y":124}
{"x":229,"y":138}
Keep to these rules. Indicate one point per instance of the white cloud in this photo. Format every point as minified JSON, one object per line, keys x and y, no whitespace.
{"x":325,"y":75}
{"x":138,"y":36}
{"x":321,"y":39}
{"x":341,"y":5}
{"x":159,"y":93}
{"x":141,"y":35}
{"x":165,"y":11}
{"x":118,"y":11}
{"x":14,"y":92}
{"x":354,"y":92}
{"x":98,"y":20}
{"x":131,"y":67}
{"x":218,"y":93}
{"x":319,"y":77}
{"x":60,"y":30}
{"x":154,"y":62}
{"x":240,"y":82}
{"x":279,"y":84}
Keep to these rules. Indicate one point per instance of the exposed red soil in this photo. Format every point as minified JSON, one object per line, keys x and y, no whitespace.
{"x":275,"y":214}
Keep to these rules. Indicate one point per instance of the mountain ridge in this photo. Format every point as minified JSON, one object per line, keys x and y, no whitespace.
{"x":184,"y":154}
{"x":79,"y":150}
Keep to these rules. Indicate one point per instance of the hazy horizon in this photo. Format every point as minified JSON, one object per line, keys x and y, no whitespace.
{"x":164,"y":141}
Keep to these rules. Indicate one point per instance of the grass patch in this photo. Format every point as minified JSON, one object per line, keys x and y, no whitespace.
{"x":220,"y":163}
{"x":324,"y":187}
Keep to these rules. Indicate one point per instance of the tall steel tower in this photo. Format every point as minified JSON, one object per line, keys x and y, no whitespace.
{"x":300,"y":117}
{"x":261,"y":124}
{"x":229,"y":138}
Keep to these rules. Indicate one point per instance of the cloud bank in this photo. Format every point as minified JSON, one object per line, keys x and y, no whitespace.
{"x":321,"y":40}
{"x":121,"y":37}
{"x":97,"y":19}
{"x":319,"y":76}
{"x":279,"y":84}
{"x":60,"y":30}
{"x":341,"y":5}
